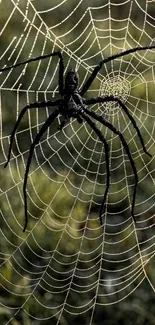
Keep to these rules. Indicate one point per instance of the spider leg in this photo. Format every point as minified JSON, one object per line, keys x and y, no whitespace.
{"x":96,"y":100}
{"x":126,"y":147}
{"x":42,"y":57}
{"x":43,"y":129}
{"x":106,"y":147}
{"x":23,"y":111}
{"x":94,"y":73}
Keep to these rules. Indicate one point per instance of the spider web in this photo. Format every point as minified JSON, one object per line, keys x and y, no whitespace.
{"x":66,"y":266}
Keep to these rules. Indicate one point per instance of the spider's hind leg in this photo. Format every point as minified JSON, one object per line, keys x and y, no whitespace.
{"x":127,"y":149}
{"x":106,"y":148}
{"x":43,"y":129}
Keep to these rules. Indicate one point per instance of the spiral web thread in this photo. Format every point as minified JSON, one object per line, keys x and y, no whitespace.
{"x":100,"y":265}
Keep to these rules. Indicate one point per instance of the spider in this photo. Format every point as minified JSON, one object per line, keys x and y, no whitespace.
{"x":72,"y":104}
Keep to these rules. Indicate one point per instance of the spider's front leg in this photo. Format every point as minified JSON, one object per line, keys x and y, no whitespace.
{"x":96,"y":70}
{"x":42,"y":57}
{"x":23,"y":111}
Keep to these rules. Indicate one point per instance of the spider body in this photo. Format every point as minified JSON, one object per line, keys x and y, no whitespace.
{"x":72,"y":104}
{"x":70,"y":108}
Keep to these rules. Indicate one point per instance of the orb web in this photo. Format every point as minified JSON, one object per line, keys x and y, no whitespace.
{"x":67,"y":267}
{"x":115,"y":86}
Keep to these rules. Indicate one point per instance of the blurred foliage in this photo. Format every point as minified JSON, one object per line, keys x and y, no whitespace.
{"x":18,"y":282}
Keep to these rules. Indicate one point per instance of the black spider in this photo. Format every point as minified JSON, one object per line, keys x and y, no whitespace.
{"x":72,"y":105}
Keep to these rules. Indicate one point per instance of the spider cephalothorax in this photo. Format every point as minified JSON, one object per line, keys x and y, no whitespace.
{"x":72,"y":104}
{"x":71,"y":82}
